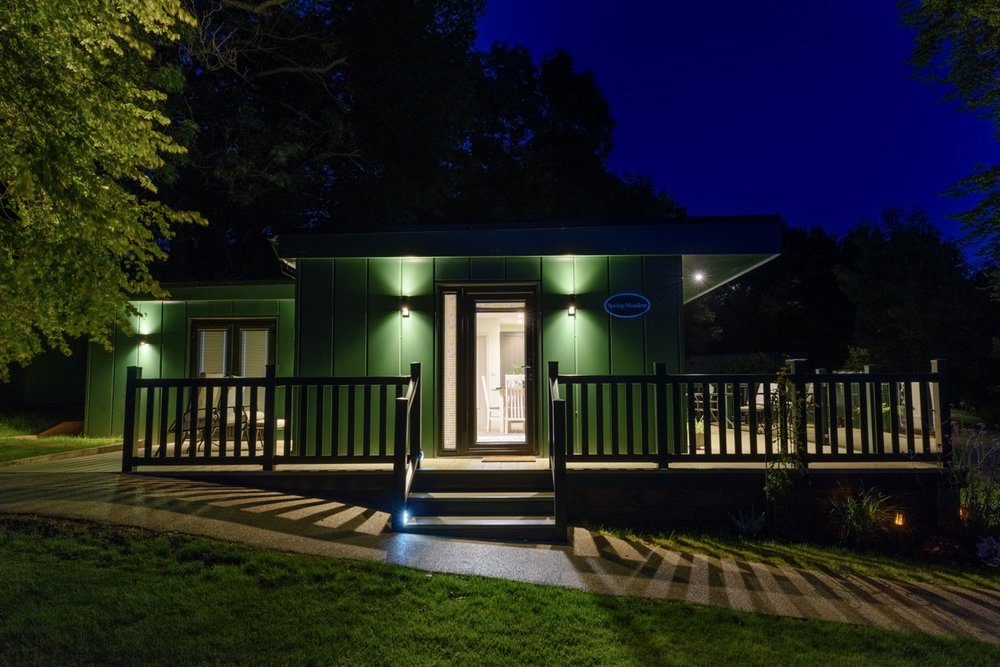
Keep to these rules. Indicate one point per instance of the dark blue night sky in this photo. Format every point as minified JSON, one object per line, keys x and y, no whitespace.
{"x":799,"y":107}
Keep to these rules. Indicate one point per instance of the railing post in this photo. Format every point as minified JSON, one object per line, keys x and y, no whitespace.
{"x":660,"y":392}
{"x":399,"y":467}
{"x":553,"y":375}
{"x":941,"y":410}
{"x":821,"y":403}
{"x":557,"y":459}
{"x":132,"y":374}
{"x":270,"y":387}
{"x":416,"y":453}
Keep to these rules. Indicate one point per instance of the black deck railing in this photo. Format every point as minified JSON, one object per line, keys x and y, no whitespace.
{"x":820,"y":416}
{"x":406,"y":453}
{"x":269,"y":420}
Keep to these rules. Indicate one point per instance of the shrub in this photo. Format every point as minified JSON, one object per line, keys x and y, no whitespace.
{"x":864,"y":518}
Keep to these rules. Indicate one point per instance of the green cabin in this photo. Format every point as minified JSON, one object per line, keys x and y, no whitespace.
{"x":482,"y":309}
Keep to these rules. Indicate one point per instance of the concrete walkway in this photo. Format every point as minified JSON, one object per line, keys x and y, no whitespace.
{"x":592,"y":562}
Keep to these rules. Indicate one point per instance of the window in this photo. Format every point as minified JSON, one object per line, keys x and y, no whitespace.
{"x":231,"y":347}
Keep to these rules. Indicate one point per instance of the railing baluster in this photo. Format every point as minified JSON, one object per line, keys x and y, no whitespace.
{"x":630,"y":419}
{"x":367,"y":421}
{"x":692,"y":418}
{"x":599,"y":426}
{"x":737,"y":394}
{"x":161,"y":440}
{"x":584,"y":421}
{"x":382,"y":422}
{"x":335,"y":445}
{"x":831,"y":395}
{"x":148,"y":431}
{"x":351,"y":391}
{"x":290,"y":390}
{"x":320,"y":401}
{"x":908,"y":424}
{"x":571,"y":418}
{"x":614,"y":418}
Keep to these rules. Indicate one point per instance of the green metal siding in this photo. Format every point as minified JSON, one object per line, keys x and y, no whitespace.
{"x":166,"y":327}
{"x":417,"y":335}
{"x":593,"y":342}
{"x":665,"y":321}
{"x":315,"y":317}
{"x":627,"y":336}
{"x":384,"y":319}
{"x":349,"y":325}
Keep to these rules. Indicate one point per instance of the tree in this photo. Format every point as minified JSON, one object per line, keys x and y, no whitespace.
{"x":80,"y":137}
{"x":538,"y":146}
{"x":958,"y":44}
{"x":314,"y":116}
{"x":347,"y":115}
{"x":915,"y":300}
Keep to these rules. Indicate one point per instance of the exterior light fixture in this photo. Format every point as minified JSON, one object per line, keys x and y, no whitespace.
{"x":571,"y":309}
{"x":699,"y":277}
{"x":143,"y":341}
{"x":404,"y":306}
{"x":900,"y":519}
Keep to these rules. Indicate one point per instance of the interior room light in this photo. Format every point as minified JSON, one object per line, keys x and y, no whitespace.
{"x":404,"y":306}
{"x":900,"y":519}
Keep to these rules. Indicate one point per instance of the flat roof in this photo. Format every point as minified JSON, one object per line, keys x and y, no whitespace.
{"x":733,"y":235}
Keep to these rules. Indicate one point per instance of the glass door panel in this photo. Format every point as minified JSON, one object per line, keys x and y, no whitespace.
{"x":500,"y":362}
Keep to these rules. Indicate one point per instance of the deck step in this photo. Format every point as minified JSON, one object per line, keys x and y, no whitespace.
{"x":493,"y":480}
{"x":507,"y":528}
{"x":484,"y":503}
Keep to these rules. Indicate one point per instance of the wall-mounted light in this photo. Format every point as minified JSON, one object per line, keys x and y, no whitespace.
{"x":571,"y":308}
{"x":900,"y":519}
{"x":404,"y":306}
{"x":143,"y":341}
{"x":699,"y":277}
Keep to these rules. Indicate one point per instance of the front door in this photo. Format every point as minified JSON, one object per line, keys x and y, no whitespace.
{"x":488,"y":370}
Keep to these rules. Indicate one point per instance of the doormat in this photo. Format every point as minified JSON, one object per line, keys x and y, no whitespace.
{"x":508,"y":459}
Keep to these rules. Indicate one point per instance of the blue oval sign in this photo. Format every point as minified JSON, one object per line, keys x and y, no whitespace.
{"x":627,"y":305}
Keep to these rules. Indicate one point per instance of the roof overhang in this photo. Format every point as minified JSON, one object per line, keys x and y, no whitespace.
{"x":716,"y":249}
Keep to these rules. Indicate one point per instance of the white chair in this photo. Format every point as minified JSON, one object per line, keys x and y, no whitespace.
{"x":492,"y":411}
{"x":513,"y":401}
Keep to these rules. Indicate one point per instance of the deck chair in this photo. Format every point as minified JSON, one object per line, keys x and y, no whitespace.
{"x":513,"y":401}
{"x":766,"y":391}
{"x":492,"y":411}
{"x":196,"y":415}
{"x":254,"y":414}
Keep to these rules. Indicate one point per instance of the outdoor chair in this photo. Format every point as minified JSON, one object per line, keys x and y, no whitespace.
{"x":513,"y":401}
{"x":196,"y":415}
{"x":766,"y":393}
{"x":254,"y":414}
{"x":492,"y":411}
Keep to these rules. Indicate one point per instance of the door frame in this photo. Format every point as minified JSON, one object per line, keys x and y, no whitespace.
{"x":466,"y":399}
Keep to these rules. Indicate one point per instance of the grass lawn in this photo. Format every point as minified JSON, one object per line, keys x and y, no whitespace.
{"x":79,"y":593}
{"x":13,"y":447}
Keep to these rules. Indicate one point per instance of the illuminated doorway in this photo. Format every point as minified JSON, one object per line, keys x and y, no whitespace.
{"x":488,"y":384}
